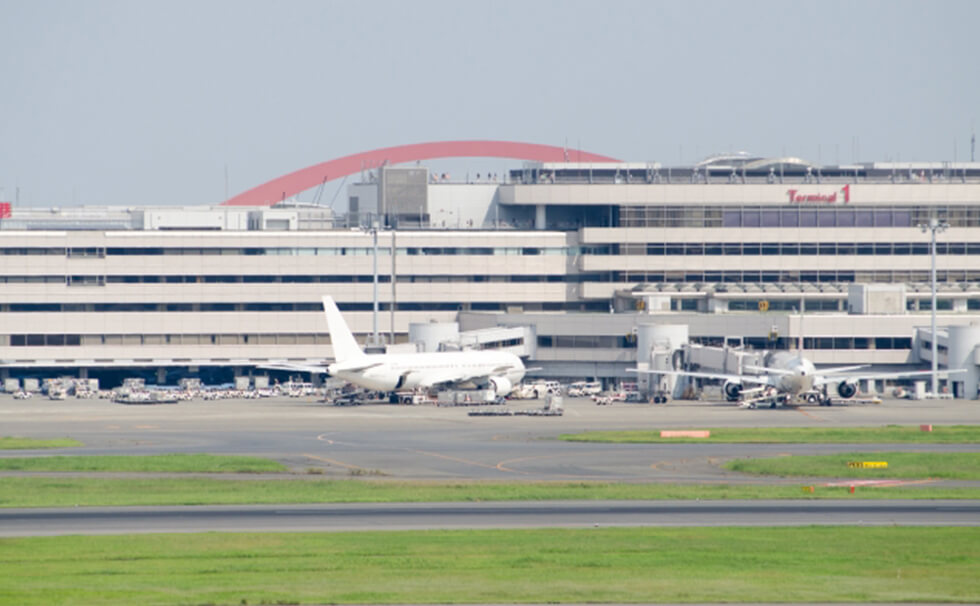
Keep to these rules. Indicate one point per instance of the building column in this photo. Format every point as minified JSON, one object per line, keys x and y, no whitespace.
{"x":540,"y":215}
{"x":161,"y":376}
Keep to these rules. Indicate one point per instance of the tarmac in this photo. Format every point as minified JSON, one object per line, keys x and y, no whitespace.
{"x":427,"y":442}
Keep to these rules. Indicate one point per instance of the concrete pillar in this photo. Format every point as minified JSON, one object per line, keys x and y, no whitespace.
{"x":82,"y":373}
{"x":960,"y":305}
{"x":961,"y":350}
{"x":161,"y":376}
{"x":540,"y":217}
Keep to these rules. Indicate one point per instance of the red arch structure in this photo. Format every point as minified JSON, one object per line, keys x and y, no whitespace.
{"x":301,"y":180}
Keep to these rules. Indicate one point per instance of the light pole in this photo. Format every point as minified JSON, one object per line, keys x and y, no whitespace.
{"x":372,"y":228}
{"x":935,"y":226}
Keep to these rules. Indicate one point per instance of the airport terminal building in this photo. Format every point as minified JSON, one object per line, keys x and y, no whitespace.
{"x":562,"y":261}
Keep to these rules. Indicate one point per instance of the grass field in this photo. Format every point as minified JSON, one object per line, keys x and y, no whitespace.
{"x":14,"y":443}
{"x":173,"y":463}
{"x":903,"y":465}
{"x":620,"y":565}
{"x":91,"y":492}
{"x":889,"y":434}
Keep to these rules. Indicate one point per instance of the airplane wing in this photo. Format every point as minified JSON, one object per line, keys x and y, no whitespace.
{"x":820,"y":380}
{"x":839,"y":370}
{"x":432,"y":379}
{"x":294,"y":367}
{"x":756,"y":379}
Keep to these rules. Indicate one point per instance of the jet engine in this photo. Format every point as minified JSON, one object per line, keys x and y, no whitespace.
{"x":501,"y":385}
{"x":733,"y":390}
{"x":846,"y":389}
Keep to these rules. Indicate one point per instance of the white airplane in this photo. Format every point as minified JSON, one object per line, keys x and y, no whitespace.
{"x":499,"y":370}
{"x":789,"y":375}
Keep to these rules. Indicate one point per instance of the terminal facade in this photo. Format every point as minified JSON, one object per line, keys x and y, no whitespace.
{"x":744,"y":251}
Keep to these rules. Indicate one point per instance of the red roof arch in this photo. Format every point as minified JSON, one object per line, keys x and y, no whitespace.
{"x":286,"y":186}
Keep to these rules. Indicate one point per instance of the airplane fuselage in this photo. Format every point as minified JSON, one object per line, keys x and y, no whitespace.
{"x":796,"y":373}
{"x":388,"y":372}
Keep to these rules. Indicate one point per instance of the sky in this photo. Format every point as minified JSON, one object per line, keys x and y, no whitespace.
{"x":144,"y":102}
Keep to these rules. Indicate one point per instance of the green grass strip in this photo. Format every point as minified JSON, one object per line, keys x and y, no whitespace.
{"x":173,"y":463}
{"x":901,"y":465}
{"x":604,"y":565}
{"x":890,"y":434}
{"x":14,"y":443}
{"x":92,"y":492}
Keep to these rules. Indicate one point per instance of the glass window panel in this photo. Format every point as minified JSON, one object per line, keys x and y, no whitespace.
{"x":750,"y":218}
{"x":790,"y":217}
{"x":845,"y":218}
{"x":863,"y":218}
{"x":826,"y":218}
{"x":808,"y":218}
{"x":770,"y":218}
{"x":732,"y":218}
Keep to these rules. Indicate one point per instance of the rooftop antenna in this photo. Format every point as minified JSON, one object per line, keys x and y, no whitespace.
{"x":319,"y":191}
{"x":973,"y":145}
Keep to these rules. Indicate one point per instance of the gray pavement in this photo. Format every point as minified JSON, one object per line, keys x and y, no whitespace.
{"x":431,"y":443}
{"x":427,"y":516}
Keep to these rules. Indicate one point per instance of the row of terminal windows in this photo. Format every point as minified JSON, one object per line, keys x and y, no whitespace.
{"x":654,"y":248}
{"x":570,"y":341}
{"x":629,"y":277}
{"x":63,"y":340}
{"x":847,"y":275}
{"x":797,"y":216}
{"x":293,"y":307}
{"x":98,"y":252}
{"x":628,"y":341}
{"x":789,"y":343}
{"x":56,"y":340}
{"x":923,"y":303}
{"x":102,"y":280}
{"x":796,"y":248}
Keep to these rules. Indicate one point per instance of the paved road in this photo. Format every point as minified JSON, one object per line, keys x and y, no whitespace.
{"x":444,"y":443}
{"x":348,"y":517}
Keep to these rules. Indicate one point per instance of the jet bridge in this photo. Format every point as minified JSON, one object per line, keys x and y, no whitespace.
{"x":661,"y":347}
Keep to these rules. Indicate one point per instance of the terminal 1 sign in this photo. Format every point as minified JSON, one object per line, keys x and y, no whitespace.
{"x":5,"y":212}
{"x":843,"y":195}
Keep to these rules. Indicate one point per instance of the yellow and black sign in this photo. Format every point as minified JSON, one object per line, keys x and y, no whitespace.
{"x":868,"y":464}
{"x":763,"y":305}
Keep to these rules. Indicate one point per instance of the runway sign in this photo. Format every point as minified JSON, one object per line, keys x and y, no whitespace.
{"x":868,"y":464}
{"x":685,"y":434}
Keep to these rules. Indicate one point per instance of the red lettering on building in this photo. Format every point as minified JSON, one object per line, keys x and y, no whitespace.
{"x":5,"y":212}
{"x":797,"y":197}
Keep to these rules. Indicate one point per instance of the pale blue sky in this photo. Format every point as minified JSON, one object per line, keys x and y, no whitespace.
{"x":147,"y":102}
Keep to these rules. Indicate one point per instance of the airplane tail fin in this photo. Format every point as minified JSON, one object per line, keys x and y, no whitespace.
{"x":345,"y":347}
